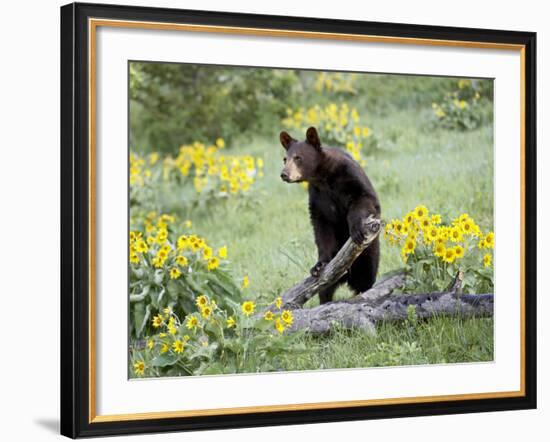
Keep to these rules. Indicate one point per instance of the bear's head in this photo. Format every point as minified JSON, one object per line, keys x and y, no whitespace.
{"x":302,"y":157}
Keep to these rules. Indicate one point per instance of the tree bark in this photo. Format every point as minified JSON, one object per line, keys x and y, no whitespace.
{"x":377,"y":304}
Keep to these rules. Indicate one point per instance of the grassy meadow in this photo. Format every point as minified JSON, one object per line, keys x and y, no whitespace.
{"x":269,"y":239}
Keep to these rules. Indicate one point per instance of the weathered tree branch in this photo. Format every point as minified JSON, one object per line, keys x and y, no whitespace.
{"x":364,"y":312}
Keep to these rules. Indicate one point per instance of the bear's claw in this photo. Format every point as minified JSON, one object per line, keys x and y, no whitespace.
{"x":316,"y":269}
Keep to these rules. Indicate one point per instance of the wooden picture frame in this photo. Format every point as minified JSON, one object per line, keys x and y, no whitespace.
{"x":79,"y":23}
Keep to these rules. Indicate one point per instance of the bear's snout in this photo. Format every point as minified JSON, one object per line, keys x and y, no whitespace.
{"x":285,"y":177}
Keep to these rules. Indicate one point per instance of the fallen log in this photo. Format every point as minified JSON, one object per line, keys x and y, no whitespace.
{"x":378,"y":303}
{"x":364,"y":311}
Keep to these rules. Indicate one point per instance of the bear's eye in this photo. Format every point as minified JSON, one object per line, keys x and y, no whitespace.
{"x":297,"y":158}
{"x":284,"y":160}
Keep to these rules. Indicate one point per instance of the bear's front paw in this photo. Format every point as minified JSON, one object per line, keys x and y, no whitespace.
{"x":357,"y":233}
{"x":316,"y":269}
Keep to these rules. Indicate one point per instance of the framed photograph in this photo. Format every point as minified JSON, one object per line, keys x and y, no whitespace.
{"x":274,"y":220}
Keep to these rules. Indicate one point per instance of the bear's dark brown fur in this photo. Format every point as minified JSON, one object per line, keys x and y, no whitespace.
{"x":341,"y":197}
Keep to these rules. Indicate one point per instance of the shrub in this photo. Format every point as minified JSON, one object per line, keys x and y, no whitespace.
{"x":337,"y":125}
{"x":336,"y":83}
{"x":173,"y":101}
{"x":434,"y":252}
{"x":463,"y":108}
{"x":168,"y":268}
{"x":201,"y":173}
{"x":216,"y":340}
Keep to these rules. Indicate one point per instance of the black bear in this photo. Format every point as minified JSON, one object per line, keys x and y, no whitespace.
{"x":341,"y":197}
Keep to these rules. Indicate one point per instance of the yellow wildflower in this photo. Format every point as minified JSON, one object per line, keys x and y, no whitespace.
{"x":213,"y":263}
{"x":174,"y":273}
{"x":183,"y":242}
{"x":178,"y":346}
{"x":279,"y":326}
{"x":192,"y":322}
{"x":248,"y":308}
{"x":420,"y":212}
{"x":268,"y":316}
{"x":432,"y":233}
{"x":246,"y":282}
{"x":450,"y":255}
{"x":157,"y":321}
{"x":139,"y":368}
{"x":490,"y":240}
{"x":206,"y":312}
{"x":287,"y":317}
{"x":222,"y":252}
{"x":455,"y":234}
{"x":468,"y":227}
{"x":182,"y":260}
{"x":439,"y":249}
{"x":207,"y":253}
{"x":201,"y":301}
{"x":410,"y":245}
{"x":425,"y":223}
{"x":230,"y":322}
{"x":141,"y":246}
{"x":487,"y":260}
{"x":407,"y":220}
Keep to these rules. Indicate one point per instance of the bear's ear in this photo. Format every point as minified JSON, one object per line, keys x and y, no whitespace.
{"x":286,"y":139}
{"x":312,"y":137}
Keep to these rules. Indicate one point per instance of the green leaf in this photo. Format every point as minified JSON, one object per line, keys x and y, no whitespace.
{"x":158,"y":276}
{"x":215,"y":368}
{"x":138,"y":315}
{"x":186,"y":304}
{"x":160,"y":296}
{"x":173,"y":289}
{"x":144,"y":321}
{"x":164,"y":360}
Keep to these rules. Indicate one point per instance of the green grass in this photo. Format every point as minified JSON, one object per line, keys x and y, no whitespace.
{"x":270,"y":239}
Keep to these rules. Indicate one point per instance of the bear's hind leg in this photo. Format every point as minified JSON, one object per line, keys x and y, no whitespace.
{"x":325,"y":295}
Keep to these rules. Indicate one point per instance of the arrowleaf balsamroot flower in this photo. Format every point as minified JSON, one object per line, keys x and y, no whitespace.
{"x":139,"y":368}
{"x":178,"y":346}
{"x":157,"y":321}
{"x":174,"y":273}
{"x":287,"y":317}
{"x":248,"y":308}
{"x":213,"y":263}
{"x":279,"y":326}
{"x":192,"y":322}
{"x":201,"y":301}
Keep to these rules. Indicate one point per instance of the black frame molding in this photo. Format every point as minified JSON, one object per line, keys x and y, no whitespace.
{"x":75,"y":219}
